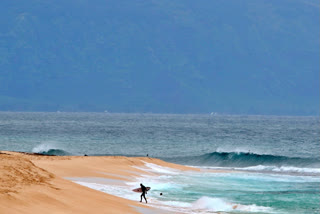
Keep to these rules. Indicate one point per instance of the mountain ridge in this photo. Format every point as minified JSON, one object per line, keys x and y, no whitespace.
{"x":164,"y":57}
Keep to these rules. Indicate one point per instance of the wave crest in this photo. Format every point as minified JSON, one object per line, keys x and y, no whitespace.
{"x":246,"y":159}
{"x":48,"y":149}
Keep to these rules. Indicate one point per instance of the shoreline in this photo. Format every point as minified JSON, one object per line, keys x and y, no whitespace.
{"x":35,"y":183}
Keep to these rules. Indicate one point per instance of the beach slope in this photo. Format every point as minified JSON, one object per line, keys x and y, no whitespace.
{"x":31,"y":183}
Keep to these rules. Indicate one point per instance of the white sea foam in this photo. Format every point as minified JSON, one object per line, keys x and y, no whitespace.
{"x":262,"y":176}
{"x":117,"y":190}
{"x":218,"y":204}
{"x":150,"y":167}
{"x":157,"y":183}
{"x":202,"y":205}
{"x":213,"y":204}
{"x":262,"y":168}
{"x":289,"y":169}
{"x":125,"y":192}
{"x":240,"y":150}
{"x":174,"y":204}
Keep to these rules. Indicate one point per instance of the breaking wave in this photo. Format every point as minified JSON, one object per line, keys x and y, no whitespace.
{"x":57,"y":152}
{"x":48,"y":149}
{"x":242,"y":159}
{"x":217,"y":204}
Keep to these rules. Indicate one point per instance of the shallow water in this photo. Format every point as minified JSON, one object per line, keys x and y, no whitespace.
{"x":235,"y":192}
{"x":277,"y":159}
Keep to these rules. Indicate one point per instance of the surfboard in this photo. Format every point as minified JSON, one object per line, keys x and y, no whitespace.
{"x":140,"y":190}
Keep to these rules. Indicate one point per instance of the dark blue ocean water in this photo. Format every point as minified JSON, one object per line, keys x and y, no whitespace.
{"x":160,"y":135}
{"x":281,"y":154}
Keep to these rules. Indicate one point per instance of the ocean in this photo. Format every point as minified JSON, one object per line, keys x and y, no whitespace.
{"x":266,"y":164}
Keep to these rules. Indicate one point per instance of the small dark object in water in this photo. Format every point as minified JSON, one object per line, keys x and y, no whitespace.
{"x":160,"y":193}
{"x":85,"y":155}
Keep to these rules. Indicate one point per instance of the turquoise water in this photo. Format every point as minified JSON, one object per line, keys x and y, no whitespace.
{"x":259,"y":192}
{"x":219,"y":191}
{"x":273,"y":162}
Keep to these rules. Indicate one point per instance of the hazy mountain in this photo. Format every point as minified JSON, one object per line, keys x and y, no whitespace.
{"x":162,"y":56}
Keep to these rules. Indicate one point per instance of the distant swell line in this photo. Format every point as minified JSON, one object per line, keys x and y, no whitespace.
{"x":241,"y":159}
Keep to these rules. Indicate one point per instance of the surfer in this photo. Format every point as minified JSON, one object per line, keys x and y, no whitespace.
{"x":144,"y":192}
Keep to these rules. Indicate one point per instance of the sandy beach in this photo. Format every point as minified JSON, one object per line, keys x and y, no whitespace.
{"x":31,"y":183}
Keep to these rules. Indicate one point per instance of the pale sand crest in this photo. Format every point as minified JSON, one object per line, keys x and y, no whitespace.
{"x":31,"y":183}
